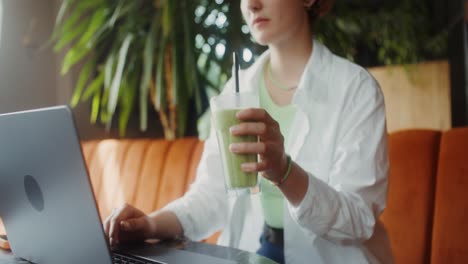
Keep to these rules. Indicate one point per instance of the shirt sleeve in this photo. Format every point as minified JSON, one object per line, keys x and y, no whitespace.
{"x":203,"y":210}
{"x":348,"y":206}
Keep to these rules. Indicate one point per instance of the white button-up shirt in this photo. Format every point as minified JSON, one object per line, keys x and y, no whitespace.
{"x":339,"y":137}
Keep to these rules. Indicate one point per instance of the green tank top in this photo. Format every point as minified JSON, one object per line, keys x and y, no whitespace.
{"x":271,"y":197}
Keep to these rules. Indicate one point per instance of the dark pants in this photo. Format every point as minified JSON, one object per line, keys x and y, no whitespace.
{"x":273,"y":251}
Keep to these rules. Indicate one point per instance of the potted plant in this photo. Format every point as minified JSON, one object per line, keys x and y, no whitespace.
{"x":133,"y":52}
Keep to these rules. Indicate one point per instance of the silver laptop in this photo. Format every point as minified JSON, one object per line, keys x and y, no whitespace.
{"x":46,"y":200}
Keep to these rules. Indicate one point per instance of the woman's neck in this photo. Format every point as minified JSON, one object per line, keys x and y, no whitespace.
{"x":289,"y":57}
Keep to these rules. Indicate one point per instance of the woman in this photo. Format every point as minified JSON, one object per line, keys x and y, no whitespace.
{"x":328,"y":115}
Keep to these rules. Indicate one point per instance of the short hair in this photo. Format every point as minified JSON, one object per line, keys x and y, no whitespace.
{"x":319,"y":9}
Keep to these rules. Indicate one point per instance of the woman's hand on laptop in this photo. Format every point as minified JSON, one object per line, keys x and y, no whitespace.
{"x":127,"y":223}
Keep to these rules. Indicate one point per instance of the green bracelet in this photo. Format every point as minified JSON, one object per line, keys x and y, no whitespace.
{"x":288,"y":171}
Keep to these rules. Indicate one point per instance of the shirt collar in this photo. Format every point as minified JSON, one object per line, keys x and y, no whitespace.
{"x":312,"y":85}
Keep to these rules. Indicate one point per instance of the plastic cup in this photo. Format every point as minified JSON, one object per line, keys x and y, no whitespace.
{"x":223,"y":112}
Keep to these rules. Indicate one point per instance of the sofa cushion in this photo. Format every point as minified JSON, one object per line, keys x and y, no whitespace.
{"x":407,"y":217}
{"x":450,"y":230}
{"x":145,"y":173}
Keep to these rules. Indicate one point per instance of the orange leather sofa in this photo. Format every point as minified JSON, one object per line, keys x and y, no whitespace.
{"x":427,"y":205}
{"x":427,"y":208}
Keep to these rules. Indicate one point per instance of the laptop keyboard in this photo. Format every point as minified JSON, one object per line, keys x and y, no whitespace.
{"x":125,"y":259}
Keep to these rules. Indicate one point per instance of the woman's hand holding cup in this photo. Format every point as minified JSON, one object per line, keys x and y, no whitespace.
{"x":273,"y":159}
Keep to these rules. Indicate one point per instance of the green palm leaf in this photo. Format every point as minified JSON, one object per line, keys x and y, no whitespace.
{"x":82,"y":49}
{"x":79,"y":11}
{"x":125,"y":46}
{"x":61,"y":13}
{"x":82,"y":79}
{"x":167,"y":16}
{"x":160,"y":93}
{"x":127,"y":101}
{"x":148,"y":60}
{"x":71,"y":35}
{"x":96,"y":21}
{"x":109,"y":69}
{"x":94,"y":87}
{"x":95,"y":106}
{"x":115,"y":86}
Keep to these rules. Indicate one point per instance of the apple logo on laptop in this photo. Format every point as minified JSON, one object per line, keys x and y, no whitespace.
{"x":34,"y":193}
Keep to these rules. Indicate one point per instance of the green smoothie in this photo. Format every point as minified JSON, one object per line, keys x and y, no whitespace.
{"x":235,"y":178}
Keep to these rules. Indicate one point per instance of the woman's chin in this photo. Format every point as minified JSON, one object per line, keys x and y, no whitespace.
{"x":262,"y":39}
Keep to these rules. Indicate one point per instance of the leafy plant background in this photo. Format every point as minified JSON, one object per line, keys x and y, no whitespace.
{"x":134,"y":52}
{"x":369,"y":32}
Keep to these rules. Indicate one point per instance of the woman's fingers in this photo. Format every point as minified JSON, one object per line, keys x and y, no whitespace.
{"x":136,"y":224}
{"x":248,"y":148}
{"x":114,"y":228}
{"x":106,"y":224}
{"x":256,"y":122}
{"x":264,"y":131}
{"x":255,"y":167}
{"x":254,"y":114}
{"x":248,"y":128}
{"x":265,"y":149}
{"x":123,"y":213}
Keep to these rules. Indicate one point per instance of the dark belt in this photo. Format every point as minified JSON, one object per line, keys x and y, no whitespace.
{"x":274,"y":235}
